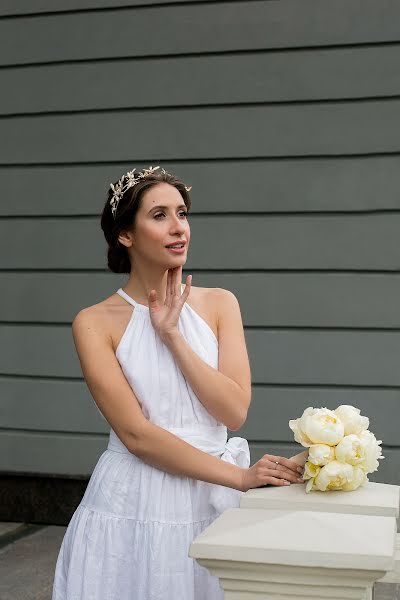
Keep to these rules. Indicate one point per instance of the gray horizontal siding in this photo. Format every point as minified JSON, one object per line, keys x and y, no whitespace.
{"x":49,"y":405}
{"x":211,"y":27}
{"x":66,"y":406}
{"x":331,"y":128}
{"x":360,"y":242}
{"x":284,"y":185}
{"x":50,"y":453}
{"x":306,"y":299}
{"x":277,"y":356}
{"x":287,"y":76}
{"x":282,"y":115}
{"x":10,"y":8}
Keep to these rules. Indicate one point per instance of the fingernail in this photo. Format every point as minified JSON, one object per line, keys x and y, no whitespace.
{"x":300,"y":470}
{"x":286,"y":482}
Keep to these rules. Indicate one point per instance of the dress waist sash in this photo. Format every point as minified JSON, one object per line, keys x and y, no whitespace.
{"x":212,"y":439}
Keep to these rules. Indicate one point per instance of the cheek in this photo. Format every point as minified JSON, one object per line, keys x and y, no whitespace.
{"x":153,"y":234}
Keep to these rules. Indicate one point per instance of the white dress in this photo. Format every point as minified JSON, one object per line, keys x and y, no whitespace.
{"x":129,"y":537}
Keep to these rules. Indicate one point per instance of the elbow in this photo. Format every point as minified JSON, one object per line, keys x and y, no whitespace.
{"x":239,"y":422}
{"x":134,"y":446}
{"x":241,"y":418}
{"x":137,"y":441}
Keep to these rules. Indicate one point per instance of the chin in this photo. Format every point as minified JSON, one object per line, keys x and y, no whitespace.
{"x":176,"y":261}
{"x":179,"y":258}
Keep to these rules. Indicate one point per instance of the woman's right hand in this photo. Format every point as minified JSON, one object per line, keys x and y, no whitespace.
{"x":266,"y":471}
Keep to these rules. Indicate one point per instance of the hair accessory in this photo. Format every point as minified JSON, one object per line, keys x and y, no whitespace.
{"x":120,"y":188}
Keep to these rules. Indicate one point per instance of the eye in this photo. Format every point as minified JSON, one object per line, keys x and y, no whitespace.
{"x":182,"y":212}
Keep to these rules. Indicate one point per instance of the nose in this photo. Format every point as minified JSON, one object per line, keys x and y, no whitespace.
{"x":178,"y":225}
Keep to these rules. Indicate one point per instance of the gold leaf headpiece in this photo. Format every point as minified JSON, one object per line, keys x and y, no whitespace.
{"x":120,"y":188}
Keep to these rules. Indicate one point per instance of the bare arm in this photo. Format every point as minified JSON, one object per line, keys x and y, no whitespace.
{"x":119,"y":405}
{"x":225,"y":392}
{"x":166,"y":451}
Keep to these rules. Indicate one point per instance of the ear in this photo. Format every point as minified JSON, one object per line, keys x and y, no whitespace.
{"x":126,"y":239}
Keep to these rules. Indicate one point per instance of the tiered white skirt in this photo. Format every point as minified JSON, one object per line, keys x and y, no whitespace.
{"x":130,"y":535}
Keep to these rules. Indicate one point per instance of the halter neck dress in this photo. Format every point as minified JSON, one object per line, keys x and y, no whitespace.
{"x":129,"y":537}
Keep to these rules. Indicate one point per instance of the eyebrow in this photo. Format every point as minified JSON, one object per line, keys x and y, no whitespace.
{"x":162,"y":206}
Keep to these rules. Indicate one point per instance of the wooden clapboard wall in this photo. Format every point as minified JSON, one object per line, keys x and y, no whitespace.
{"x":284,"y":116}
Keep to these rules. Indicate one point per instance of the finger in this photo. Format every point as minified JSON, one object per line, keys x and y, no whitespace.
{"x":283,"y":469}
{"x":285,"y":474}
{"x":168,"y":295}
{"x":276,"y":481}
{"x":178,"y":281}
{"x":290,"y":464}
{"x":186,"y":290}
{"x":188,"y":286}
{"x":270,"y":461}
{"x":299,"y":470}
{"x":171,"y":286}
{"x":296,"y":467}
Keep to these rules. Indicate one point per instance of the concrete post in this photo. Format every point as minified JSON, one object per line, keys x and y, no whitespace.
{"x":285,"y":544}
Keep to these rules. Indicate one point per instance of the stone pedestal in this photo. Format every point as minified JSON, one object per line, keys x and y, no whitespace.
{"x":273,"y":554}
{"x":370,"y":499}
{"x":283,"y":544}
{"x":377,"y":499}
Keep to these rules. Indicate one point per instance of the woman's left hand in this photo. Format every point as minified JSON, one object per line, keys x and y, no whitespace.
{"x":164,"y":317}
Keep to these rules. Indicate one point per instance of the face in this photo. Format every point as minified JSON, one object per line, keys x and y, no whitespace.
{"x":161,"y":220}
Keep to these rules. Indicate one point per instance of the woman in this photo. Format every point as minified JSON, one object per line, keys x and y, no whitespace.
{"x":168,"y":368}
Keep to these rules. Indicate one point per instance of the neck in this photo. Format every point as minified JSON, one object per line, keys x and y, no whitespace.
{"x":140,"y":285}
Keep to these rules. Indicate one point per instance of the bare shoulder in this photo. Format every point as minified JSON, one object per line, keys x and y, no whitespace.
{"x":228,"y":314}
{"x":108,"y":318}
{"x":215,"y":303}
{"x":224,"y":296}
{"x":93,"y":319}
{"x":206,"y":295}
{"x":213,"y":299}
{"x":224,"y":300}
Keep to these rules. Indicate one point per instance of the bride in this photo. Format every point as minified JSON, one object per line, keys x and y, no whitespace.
{"x":167,"y":366}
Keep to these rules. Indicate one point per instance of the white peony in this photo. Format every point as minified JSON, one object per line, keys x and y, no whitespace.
{"x":311,"y":485}
{"x":320,"y":454}
{"x":352,"y":420}
{"x":350,"y":450}
{"x":334,"y":476}
{"x":310,"y":470}
{"x":372,"y":451}
{"x":359,"y":478}
{"x":310,"y":473}
{"x":317,"y":426}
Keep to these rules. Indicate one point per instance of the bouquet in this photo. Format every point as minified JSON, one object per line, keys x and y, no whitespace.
{"x":341,"y":449}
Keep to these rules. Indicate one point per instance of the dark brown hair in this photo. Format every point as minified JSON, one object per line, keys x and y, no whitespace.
{"x":117,"y":255}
